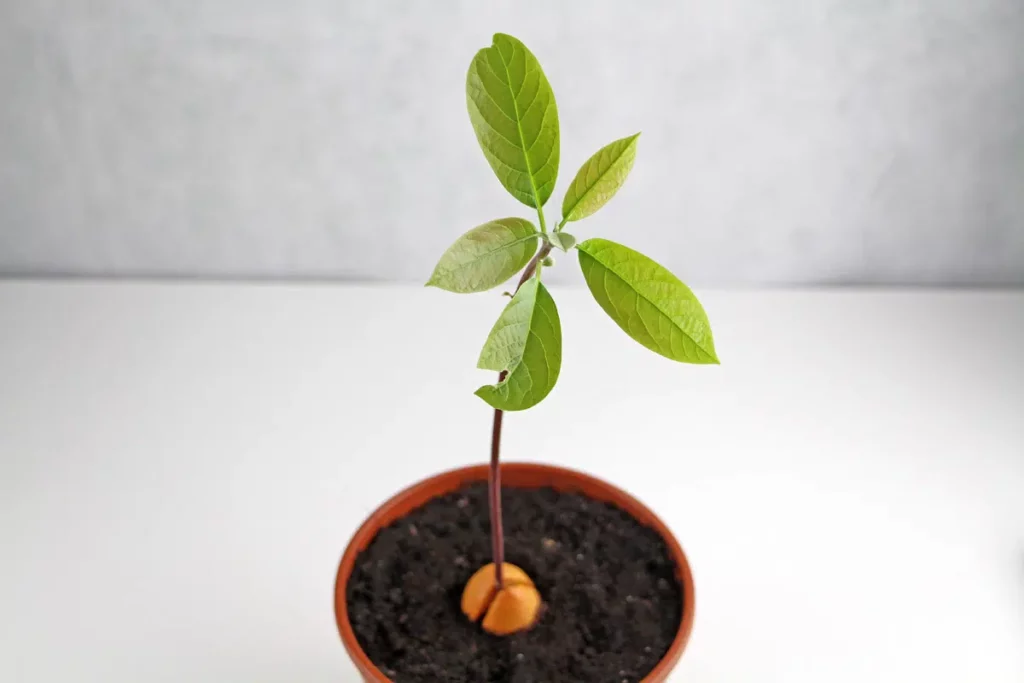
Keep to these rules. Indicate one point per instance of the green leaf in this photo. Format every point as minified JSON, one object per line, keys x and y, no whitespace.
{"x":562,"y":240}
{"x":648,"y":302}
{"x":526,"y":344}
{"x":599,"y":179}
{"x":486,"y":256}
{"x":512,"y":108}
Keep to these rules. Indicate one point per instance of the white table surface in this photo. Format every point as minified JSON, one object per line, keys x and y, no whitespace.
{"x":181,"y":466}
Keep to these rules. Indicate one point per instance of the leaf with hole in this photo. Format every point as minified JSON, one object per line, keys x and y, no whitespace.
{"x":599,"y":179}
{"x":486,"y":256}
{"x":512,"y":109}
{"x":526,"y":345}
{"x":648,"y":302}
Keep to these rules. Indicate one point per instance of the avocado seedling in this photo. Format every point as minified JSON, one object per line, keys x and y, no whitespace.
{"x":513,"y":112}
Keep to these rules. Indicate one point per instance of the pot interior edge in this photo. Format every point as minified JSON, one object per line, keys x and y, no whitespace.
{"x":521,"y":475}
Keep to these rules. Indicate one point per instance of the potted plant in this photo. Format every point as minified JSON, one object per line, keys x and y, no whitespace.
{"x":580,"y":581}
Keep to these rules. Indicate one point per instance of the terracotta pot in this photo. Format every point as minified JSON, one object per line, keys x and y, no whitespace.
{"x":514,"y":475}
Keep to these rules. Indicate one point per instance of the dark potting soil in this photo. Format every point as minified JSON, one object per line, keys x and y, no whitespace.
{"x":612,"y":604}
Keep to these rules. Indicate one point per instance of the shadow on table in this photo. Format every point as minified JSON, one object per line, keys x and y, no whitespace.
{"x":255,"y":670}
{"x":252,"y":674}
{"x":1018,"y":584}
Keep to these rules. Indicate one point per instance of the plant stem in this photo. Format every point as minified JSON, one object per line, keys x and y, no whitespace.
{"x":531,"y":267}
{"x":494,"y":474}
{"x":494,"y":499}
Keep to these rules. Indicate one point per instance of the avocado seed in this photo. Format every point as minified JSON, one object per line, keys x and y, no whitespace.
{"x":513,"y":608}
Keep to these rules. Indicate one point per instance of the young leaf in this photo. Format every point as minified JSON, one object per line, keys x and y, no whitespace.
{"x":562,"y":240}
{"x":599,"y":179}
{"x":512,"y":108}
{"x":648,"y":302}
{"x":526,"y":342}
{"x":486,"y":256}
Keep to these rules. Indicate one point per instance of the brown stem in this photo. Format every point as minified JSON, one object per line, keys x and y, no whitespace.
{"x":494,"y":491}
{"x":494,"y":474}
{"x":531,"y":267}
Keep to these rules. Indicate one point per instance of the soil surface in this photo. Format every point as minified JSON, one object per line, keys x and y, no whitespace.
{"x":612,"y":604}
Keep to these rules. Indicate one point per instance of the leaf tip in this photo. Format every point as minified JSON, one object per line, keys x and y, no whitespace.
{"x":505,"y":38}
{"x":711,"y":357}
{"x":435,"y":282}
{"x":486,"y":394}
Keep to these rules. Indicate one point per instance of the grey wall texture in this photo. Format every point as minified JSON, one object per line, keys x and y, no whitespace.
{"x":837,"y":141}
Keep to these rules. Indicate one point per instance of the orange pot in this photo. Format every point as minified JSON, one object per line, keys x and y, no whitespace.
{"x":513,"y":475}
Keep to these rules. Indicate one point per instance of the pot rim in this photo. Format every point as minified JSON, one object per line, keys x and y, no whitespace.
{"x":419,"y":494}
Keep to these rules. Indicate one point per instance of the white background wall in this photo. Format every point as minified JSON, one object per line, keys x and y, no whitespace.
{"x":838,"y":141}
